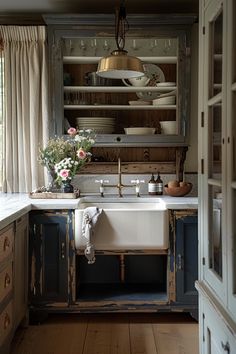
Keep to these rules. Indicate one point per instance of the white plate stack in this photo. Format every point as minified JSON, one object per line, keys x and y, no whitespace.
{"x":100,"y":125}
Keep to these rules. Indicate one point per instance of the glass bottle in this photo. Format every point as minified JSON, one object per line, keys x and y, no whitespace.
{"x":159,"y":184}
{"x":152,"y":186}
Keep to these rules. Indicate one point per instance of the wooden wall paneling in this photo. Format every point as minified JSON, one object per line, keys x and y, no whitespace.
{"x":164,"y":160}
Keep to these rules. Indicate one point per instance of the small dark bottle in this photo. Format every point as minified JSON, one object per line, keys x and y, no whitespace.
{"x":159,"y":184}
{"x":152,"y":186}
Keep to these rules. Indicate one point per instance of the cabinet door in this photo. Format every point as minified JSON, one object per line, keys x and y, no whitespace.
{"x":186,"y":259}
{"x":49,"y":235}
{"x":21,"y":270}
{"x":213,"y":189}
{"x":215,"y":335}
{"x":231,"y":153}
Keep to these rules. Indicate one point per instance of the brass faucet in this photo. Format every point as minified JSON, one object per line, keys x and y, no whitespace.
{"x":119,"y":185}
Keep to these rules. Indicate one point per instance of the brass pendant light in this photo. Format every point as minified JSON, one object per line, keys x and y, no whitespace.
{"x":119,"y":65}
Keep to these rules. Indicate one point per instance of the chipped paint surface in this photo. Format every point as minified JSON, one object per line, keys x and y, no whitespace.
{"x":165,"y":301}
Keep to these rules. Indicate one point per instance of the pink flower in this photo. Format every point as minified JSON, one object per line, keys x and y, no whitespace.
{"x":72,"y":131}
{"x":81,"y":154}
{"x":64,"y":174}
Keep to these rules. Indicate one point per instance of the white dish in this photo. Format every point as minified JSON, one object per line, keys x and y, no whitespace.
{"x":169,"y":100}
{"x":139,"y":103}
{"x":166,"y":84}
{"x":99,"y":130}
{"x":95,"y":119}
{"x":140,"y":131}
{"x":156,"y":75}
{"x":96,"y":123}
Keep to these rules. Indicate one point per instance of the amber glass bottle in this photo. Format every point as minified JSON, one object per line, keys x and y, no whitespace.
{"x":159,"y":185}
{"x":152,"y":186}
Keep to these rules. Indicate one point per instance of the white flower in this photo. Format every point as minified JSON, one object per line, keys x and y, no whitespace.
{"x":78,"y":138}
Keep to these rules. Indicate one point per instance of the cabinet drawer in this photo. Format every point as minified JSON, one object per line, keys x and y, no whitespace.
{"x":5,"y":281}
{"x":5,"y":322}
{"x":6,"y":242}
{"x":21,"y":221}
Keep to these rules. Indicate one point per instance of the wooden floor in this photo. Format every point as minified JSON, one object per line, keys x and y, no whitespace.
{"x":110,"y":334}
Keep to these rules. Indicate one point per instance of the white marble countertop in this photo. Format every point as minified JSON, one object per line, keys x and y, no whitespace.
{"x":14,"y":205}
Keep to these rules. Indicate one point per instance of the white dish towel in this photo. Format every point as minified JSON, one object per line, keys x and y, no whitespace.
{"x":90,"y":218}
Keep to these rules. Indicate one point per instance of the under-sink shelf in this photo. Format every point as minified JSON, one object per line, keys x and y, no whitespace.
{"x":136,"y":278}
{"x":121,"y":292}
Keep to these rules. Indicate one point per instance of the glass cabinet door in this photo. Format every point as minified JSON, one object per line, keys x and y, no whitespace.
{"x":214,"y":113}
{"x":231,"y":153}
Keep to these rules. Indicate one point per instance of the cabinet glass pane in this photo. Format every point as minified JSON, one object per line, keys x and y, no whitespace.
{"x":233,"y":189}
{"x":234,"y":41}
{"x":234,"y":239}
{"x":215,"y":229}
{"x":215,"y":63}
{"x":215,"y":135}
{"x":233,"y":127}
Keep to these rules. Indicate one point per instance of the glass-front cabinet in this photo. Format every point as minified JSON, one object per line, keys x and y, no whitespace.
{"x":214,"y":162}
{"x":231,"y":178}
{"x":217,"y":177}
{"x":154,"y":110}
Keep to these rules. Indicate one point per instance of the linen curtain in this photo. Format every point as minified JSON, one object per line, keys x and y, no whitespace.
{"x":26,"y":114}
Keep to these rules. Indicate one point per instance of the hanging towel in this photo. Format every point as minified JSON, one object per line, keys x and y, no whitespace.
{"x":90,"y":218}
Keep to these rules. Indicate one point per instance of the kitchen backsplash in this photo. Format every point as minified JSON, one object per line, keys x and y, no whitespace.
{"x":87,"y":184}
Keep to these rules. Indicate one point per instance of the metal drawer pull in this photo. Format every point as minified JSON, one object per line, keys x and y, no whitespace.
{"x":179,"y":262}
{"x":7,"y":280}
{"x":63,"y":250}
{"x":226,"y":347}
{"x":6,"y":244}
{"x":7,"y":321}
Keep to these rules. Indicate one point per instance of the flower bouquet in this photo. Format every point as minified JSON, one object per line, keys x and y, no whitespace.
{"x":64,"y":157}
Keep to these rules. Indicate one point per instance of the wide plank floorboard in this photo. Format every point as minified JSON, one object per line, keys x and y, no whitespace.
{"x":110,"y":334}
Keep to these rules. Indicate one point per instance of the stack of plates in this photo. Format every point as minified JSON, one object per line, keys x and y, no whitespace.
{"x":100,"y":125}
{"x":140,"y":130}
{"x":164,"y":101}
{"x":166,"y":84}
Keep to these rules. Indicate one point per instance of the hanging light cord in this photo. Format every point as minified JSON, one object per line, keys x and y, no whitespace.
{"x":122,"y":26}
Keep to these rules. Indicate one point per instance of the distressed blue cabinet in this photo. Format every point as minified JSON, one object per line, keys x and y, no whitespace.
{"x":50,"y":235}
{"x":186,"y":256}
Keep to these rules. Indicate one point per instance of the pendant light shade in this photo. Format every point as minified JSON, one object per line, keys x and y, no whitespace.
{"x":119,"y":65}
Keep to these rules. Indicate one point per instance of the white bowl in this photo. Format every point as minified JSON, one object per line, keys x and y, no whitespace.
{"x":139,"y":103}
{"x":140,"y":131}
{"x":168,"y":127}
{"x":169,"y":100}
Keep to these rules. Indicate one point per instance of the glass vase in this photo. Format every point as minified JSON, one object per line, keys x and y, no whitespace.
{"x":67,"y":187}
{"x":53,"y":185}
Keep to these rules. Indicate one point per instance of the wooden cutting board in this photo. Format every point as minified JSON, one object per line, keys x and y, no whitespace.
{"x":50,"y":195}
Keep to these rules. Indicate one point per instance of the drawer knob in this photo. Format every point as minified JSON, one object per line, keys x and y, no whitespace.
{"x":7,"y":321}
{"x":6,"y":244}
{"x":7,"y":280}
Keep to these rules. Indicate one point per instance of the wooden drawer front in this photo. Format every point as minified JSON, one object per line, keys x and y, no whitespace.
{"x":5,"y":281}
{"x":6,"y":243}
{"x":5,"y":322}
{"x":22,"y":220}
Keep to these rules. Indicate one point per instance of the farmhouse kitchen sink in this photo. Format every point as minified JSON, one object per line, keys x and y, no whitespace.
{"x":125,"y":223}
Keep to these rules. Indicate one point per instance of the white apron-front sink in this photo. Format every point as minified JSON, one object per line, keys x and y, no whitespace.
{"x":125,"y":225}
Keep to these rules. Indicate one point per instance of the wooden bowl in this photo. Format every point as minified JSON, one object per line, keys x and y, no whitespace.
{"x":178,"y":191}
